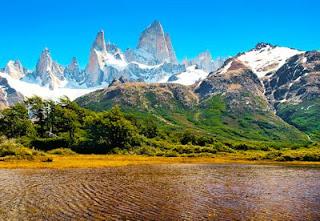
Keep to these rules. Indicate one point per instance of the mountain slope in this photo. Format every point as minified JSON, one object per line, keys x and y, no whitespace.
{"x":294,"y":90}
{"x":8,"y":95}
{"x":246,"y":112}
{"x":178,"y":106}
{"x":290,"y":82}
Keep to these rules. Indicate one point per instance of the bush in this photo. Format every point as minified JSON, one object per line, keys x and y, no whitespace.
{"x":62,"y":151}
{"x":170,"y":154}
{"x":272,"y":155}
{"x":241,"y":147}
{"x":9,"y":148}
{"x":146,"y":150}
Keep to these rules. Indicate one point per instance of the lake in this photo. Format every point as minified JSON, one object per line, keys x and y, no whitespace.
{"x":162,"y":192}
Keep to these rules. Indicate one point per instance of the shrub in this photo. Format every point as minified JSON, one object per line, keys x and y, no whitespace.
{"x":241,"y":147}
{"x":62,"y":151}
{"x":170,"y":154}
{"x":145,"y":150}
{"x":9,"y":148}
{"x":272,"y":155}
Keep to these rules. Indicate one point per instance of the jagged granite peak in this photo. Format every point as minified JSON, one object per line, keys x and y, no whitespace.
{"x":99,"y":42}
{"x":114,"y":50}
{"x":94,"y":69}
{"x":73,"y":73}
{"x":48,"y":72}
{"x":106,"y":60}
{"x":172,"y":53}
{"x":153,"y":40}
{"x":205,"y":62}
{"x":15,"y":69}
{"x":136,"y":65}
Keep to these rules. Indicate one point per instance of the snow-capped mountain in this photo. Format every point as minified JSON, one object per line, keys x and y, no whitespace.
{"x":265,"y":58}
{"x":296,"y":81}
{"x":29,"y":89}
{"x":155,"y":43}
{"x":97,"y":70}
{"x":74,"y":74}
{"x":287,"y":75}
{"x":15,"y":69}
{"x":154,"y":59}
{"x":48,"y":73}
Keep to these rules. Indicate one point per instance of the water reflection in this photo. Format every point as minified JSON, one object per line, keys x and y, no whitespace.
{"x":162,"y":192}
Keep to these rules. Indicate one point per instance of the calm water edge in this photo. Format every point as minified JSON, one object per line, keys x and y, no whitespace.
{"x":162,"y":192}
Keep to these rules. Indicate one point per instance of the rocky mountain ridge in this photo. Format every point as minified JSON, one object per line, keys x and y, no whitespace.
{"x":153,"y":60}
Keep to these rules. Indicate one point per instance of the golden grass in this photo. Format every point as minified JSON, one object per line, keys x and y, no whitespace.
{"x":100,"y":161}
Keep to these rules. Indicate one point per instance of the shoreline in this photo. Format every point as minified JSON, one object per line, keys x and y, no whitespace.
{"x":104,"y":161}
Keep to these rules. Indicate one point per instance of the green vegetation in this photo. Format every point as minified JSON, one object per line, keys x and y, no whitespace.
{"x":10,"y":149}
{"x":214,"y":116}
{"x":305,"y":116}
{"x":62,"y":152}
{"x":41,"y":128}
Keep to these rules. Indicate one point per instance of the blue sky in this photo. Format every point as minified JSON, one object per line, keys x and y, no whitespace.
{"x":223,"y":27}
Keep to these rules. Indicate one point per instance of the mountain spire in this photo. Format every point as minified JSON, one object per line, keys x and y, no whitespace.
{"x":154,"y":41}
{"x":99,"y":42}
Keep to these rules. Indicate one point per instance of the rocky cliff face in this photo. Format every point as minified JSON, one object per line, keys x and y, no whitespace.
{"x":238,"y":84}
{"x":8,"y":95}
{"x":95,"y":67}
{"x":73,"y":73}
{"x":48,"y":73}
{"x":154,"y":47}
{"x":296,"y":81}
{"x":107,"y":62}
{"x":294,"y":92}
{"x":172,"y":53}
{"x":154,"y":41}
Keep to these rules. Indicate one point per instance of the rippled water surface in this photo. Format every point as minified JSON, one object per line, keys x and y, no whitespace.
{"x":162,"y":192}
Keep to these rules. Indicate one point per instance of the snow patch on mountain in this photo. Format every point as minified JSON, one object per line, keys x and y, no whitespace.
{"x":266,"y":58}
{"x":28,"y":89}
{"x":15,"y":69}
{"x":189,"y":77}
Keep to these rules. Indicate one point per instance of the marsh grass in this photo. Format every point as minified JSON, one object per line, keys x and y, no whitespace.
{"x":100,"y":161}
{"x":62,"y":151}
{"x":10,"y":149}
